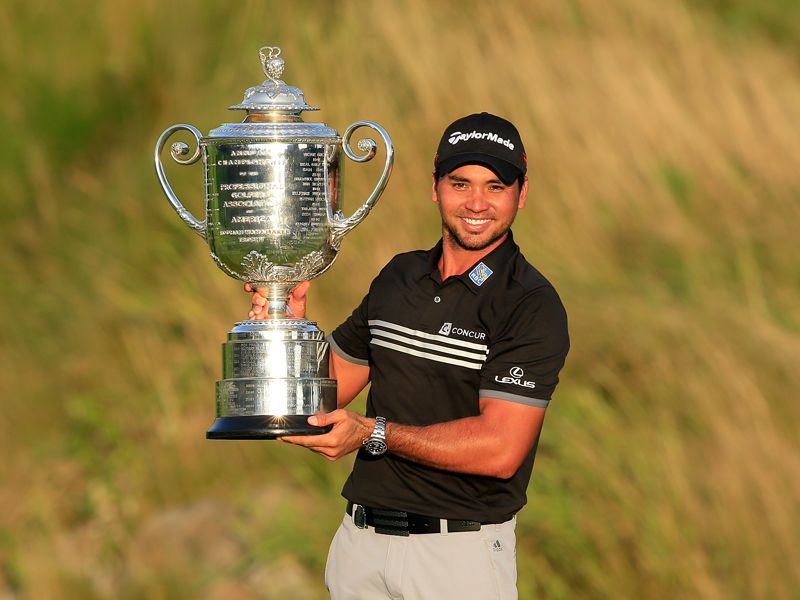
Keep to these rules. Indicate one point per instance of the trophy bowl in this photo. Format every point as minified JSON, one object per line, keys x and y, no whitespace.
{"x":272,"y":188}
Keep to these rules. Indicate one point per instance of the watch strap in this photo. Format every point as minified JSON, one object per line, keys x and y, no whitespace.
{"x":380,"y":429}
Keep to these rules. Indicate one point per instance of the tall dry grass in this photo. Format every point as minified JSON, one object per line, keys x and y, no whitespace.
{"x":663,"y":166}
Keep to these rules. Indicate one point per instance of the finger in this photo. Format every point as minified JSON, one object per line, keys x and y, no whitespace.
{"x":262,"y":292}
{"x":248,"y":287}
{"x":258,"y":299}
{"x":327,"y":453}
{"x":331,"y":418}
{"x":300,"y":290}
{"x":312,"y":442}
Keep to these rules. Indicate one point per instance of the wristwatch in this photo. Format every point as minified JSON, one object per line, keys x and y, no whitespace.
{"x":375,"y":444}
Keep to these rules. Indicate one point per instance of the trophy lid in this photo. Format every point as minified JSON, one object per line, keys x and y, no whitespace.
{"x":273,"y":96}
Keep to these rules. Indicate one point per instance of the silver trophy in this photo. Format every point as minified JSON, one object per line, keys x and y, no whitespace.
{"x":272,"y":188}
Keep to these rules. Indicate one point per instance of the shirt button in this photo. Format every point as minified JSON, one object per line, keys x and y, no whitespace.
{"x":437,"y":299}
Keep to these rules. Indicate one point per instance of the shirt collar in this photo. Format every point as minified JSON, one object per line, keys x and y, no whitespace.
{"x":496,"y":260}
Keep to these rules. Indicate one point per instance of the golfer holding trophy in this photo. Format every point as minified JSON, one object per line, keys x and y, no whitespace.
{"x":272,"y":189}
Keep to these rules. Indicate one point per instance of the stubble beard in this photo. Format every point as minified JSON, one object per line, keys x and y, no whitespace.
{"x":452,"y":235}
{"x":471,"y":244}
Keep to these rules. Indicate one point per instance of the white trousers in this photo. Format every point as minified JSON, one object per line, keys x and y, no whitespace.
{"x":467,"y":565}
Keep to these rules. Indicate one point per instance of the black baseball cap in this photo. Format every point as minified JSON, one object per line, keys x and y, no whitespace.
{"x":484,"y":139}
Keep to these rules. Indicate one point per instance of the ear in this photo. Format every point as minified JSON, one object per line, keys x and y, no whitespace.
{"x":523,"y":193}
{"x":434,"y":194}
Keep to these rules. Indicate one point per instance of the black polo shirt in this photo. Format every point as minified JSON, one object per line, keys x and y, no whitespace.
{"x":434,"y":348}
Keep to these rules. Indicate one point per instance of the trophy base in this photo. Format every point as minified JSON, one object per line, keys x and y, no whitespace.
{"x":262,"y":427}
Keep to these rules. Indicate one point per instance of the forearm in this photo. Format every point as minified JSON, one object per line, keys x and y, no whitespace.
{"x":474,"y":445}
{"x":462,"y":445}
{"x":493,"y":443}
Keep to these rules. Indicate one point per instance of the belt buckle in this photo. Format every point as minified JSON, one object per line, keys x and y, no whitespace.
{"x":360,"y":517}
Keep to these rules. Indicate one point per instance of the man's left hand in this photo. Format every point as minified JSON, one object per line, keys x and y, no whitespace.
{"x":349,"y":430}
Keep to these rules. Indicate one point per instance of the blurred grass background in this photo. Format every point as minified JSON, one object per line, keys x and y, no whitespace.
{"x":663,"y":141}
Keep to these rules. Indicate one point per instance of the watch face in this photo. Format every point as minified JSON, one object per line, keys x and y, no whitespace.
{"x":375,"y":447}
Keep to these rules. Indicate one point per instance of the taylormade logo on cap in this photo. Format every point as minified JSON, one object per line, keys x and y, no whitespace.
{"x":484,"y":139}
{"x":457,"y":136}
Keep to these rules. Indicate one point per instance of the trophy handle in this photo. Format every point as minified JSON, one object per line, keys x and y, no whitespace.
{"x":341,"y":225}
{"x":178,"y":150}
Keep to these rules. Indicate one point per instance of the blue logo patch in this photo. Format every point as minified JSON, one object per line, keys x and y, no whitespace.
{"x":480,"y":274}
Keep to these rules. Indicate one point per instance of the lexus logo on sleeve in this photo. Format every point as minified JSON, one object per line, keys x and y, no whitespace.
{"x":514,"y":377}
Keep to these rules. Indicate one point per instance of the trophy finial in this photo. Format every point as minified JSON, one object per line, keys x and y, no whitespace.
{"x":273,"y":66}
{"x":282,"y":102}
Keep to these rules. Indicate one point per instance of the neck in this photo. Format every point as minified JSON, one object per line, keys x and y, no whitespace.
{"x":456,"y":259}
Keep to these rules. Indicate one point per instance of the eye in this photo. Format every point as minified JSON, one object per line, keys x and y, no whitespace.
{"x":496,"y":187}
{"x":459,"y":185}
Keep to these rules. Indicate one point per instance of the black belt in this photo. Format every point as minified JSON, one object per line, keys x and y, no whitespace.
{"x":398,"y":522}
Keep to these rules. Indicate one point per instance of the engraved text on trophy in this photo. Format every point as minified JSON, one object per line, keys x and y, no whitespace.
{"x":267,"y":203}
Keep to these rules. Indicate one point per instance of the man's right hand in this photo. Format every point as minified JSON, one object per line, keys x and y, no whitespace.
{"x":297,"y":301}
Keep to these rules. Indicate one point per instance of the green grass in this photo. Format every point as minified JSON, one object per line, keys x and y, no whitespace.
{"x":776,"y":20}
{"x":662,"y":143}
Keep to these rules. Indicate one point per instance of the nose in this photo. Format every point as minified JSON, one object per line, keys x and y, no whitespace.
{"x":477,"y":201}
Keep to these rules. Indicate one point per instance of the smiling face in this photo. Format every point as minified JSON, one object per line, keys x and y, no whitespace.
{"x":477,"y":208}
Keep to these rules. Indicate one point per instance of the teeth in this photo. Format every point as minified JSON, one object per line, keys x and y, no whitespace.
{"x":476,"y":221}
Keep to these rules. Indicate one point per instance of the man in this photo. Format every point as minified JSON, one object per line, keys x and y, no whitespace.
{"x":462,"y":345}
